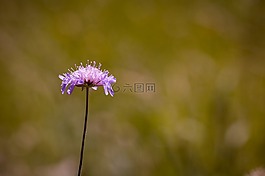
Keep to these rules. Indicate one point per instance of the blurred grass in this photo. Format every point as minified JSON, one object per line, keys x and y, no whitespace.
{"x":206,"y":59}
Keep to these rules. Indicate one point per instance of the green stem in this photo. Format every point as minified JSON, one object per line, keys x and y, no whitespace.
{"x":84,"y":134}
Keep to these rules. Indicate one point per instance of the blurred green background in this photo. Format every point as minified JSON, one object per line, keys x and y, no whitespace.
{"x":206,"y":59}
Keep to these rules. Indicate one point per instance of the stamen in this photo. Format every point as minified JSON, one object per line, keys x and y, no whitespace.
{"x":99,"y":65}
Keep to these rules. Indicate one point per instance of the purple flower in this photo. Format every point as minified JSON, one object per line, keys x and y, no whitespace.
{"x":87,"y":76}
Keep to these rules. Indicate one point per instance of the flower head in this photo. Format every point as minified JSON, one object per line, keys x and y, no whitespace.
{"x":89,"y":75}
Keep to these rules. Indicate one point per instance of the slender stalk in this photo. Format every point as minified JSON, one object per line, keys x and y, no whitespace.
{"x":84,"y":134}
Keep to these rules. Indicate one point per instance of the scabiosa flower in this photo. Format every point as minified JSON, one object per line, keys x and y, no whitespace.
{"x":87,"y":76}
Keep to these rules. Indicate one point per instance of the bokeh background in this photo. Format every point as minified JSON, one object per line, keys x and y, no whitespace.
{"x":205,"y":58}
